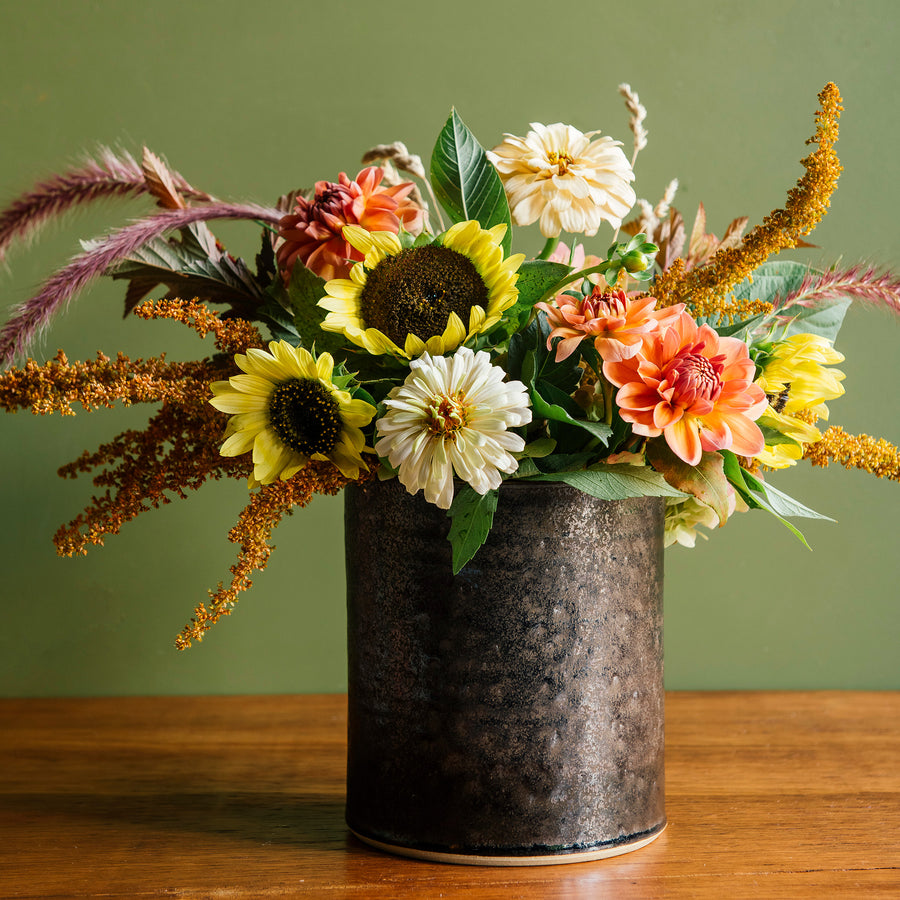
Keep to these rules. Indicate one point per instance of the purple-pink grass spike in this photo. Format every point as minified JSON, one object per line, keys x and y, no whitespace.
{"x":109,"y":175}
{"x":33,"y":315}
{"x":859,"y":283}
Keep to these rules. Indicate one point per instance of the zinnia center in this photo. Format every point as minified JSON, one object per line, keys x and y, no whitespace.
{"x":415,"y":290}
{"x":446,"y":416}
{"x":305,"y":416}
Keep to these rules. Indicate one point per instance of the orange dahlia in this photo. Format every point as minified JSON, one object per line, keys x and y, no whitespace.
{"x":312,"y":232}
{"x":615,"y":322}
{"x":693,"y":387}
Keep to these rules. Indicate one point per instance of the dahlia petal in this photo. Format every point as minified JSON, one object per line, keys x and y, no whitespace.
{"x":747,"y":439}
{"x":684,"y":441}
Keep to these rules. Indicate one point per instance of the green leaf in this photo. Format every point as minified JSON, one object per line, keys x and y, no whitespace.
{"x":772,"y":280}
{"x":188,"y":265}
{"x":536,"y":278}
{"x":780,"y":502}
{"x":304,"y":291}
{"x":824,"y":319}
{"x":774,"y":437}
{"x":280,"y":323}
{"x":465,"y":182}
{"x":556,"y":411}
{"x":759,"y":495}
{"x":615,"y":482}
{"x":472,"y":515}
{"x":536,"y":449}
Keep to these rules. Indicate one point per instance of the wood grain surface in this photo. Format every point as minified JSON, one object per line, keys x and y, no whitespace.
{"x":771,"y":794}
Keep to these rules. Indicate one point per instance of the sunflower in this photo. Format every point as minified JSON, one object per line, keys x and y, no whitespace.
{"x":287,"y":410}
{"x":797,"y":379}
{"x":430,"y":297}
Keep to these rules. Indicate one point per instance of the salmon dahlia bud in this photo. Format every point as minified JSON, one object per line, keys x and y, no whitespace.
{"x":616,"y":322}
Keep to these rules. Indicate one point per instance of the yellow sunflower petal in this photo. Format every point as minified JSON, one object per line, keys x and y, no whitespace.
{"x":235,"y":402}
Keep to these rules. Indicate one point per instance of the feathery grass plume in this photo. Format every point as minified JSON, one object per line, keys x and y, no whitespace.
{"x":861,"y":283}
{"x":636,"y":122}
{"x":109,"y":175}
{"x":267,"y":507}
{"x":231,"y":335}
{"x":141,"y":469}
{"x":102,"y":382}
{"x":862,"y":451}
{"x":144,"y":469}
{"x":36,"y":313}
{"x":703,"y":289}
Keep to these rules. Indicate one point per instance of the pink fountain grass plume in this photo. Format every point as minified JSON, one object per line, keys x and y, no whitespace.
{"x":33,"y":315}
{"x":109,"y":175}
{"x":861,"y":283}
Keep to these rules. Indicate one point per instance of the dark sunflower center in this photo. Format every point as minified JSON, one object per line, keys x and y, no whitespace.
{"x":415,"y":290}
{"x":305,"y":416}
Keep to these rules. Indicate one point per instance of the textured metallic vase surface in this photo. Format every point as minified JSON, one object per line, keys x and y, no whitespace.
{"x":514,"y":709}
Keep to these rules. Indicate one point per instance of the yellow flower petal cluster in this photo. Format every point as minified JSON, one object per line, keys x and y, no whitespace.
{"x":427,"y":298}
{"x":797,"y":382}
{"x":286,"y":409}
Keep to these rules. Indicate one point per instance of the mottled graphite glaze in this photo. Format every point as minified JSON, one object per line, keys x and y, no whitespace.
{"x":514,"y":712}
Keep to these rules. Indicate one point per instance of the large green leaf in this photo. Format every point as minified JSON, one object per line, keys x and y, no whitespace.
{"x":536,"y":277}
{"x":300,"y":301}
{"x":824,"y":320}
{"x":615,"y":482}
{"x":472,"y":515}
{"x":772,"y":280}
{"x":465,"y":182}
{"x":759,"y":495}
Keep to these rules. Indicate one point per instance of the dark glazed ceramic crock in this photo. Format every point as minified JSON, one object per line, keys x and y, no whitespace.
{"x":511,"y":714}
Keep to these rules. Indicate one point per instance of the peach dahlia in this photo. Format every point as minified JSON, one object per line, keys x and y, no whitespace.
{"x":694,"y":388}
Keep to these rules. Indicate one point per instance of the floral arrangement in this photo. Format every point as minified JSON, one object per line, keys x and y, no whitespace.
{"x":407,"y":340}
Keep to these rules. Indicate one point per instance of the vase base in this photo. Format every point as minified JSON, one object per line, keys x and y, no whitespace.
{"x":542,"y":859}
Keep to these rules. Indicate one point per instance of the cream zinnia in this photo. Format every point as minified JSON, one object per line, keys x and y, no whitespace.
{"x":567,"y":180}
{"x":453,"y":415}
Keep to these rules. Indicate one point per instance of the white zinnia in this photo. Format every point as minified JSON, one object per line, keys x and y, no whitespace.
{"x":452,"y":415}
{"x":559,"y":175}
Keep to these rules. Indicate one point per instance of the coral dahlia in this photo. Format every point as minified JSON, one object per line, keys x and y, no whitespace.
{"x":694,"y":388}
{"x":313,"y":231}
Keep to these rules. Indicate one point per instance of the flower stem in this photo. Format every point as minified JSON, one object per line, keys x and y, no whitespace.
{"x":607,"y":401}
{"x":549,"y":247}
{"x":574,"y":276}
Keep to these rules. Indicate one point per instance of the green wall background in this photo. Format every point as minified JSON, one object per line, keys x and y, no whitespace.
{"x":251,"y":100}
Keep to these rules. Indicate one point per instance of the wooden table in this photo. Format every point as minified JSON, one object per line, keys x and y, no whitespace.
{"x":768,"y":795}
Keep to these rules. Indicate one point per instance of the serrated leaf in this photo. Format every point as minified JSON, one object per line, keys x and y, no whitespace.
{"x":465,"y":182}
{"x":189,"y":264}
{"x":615,"y":482}
{"x":472,"y":515}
